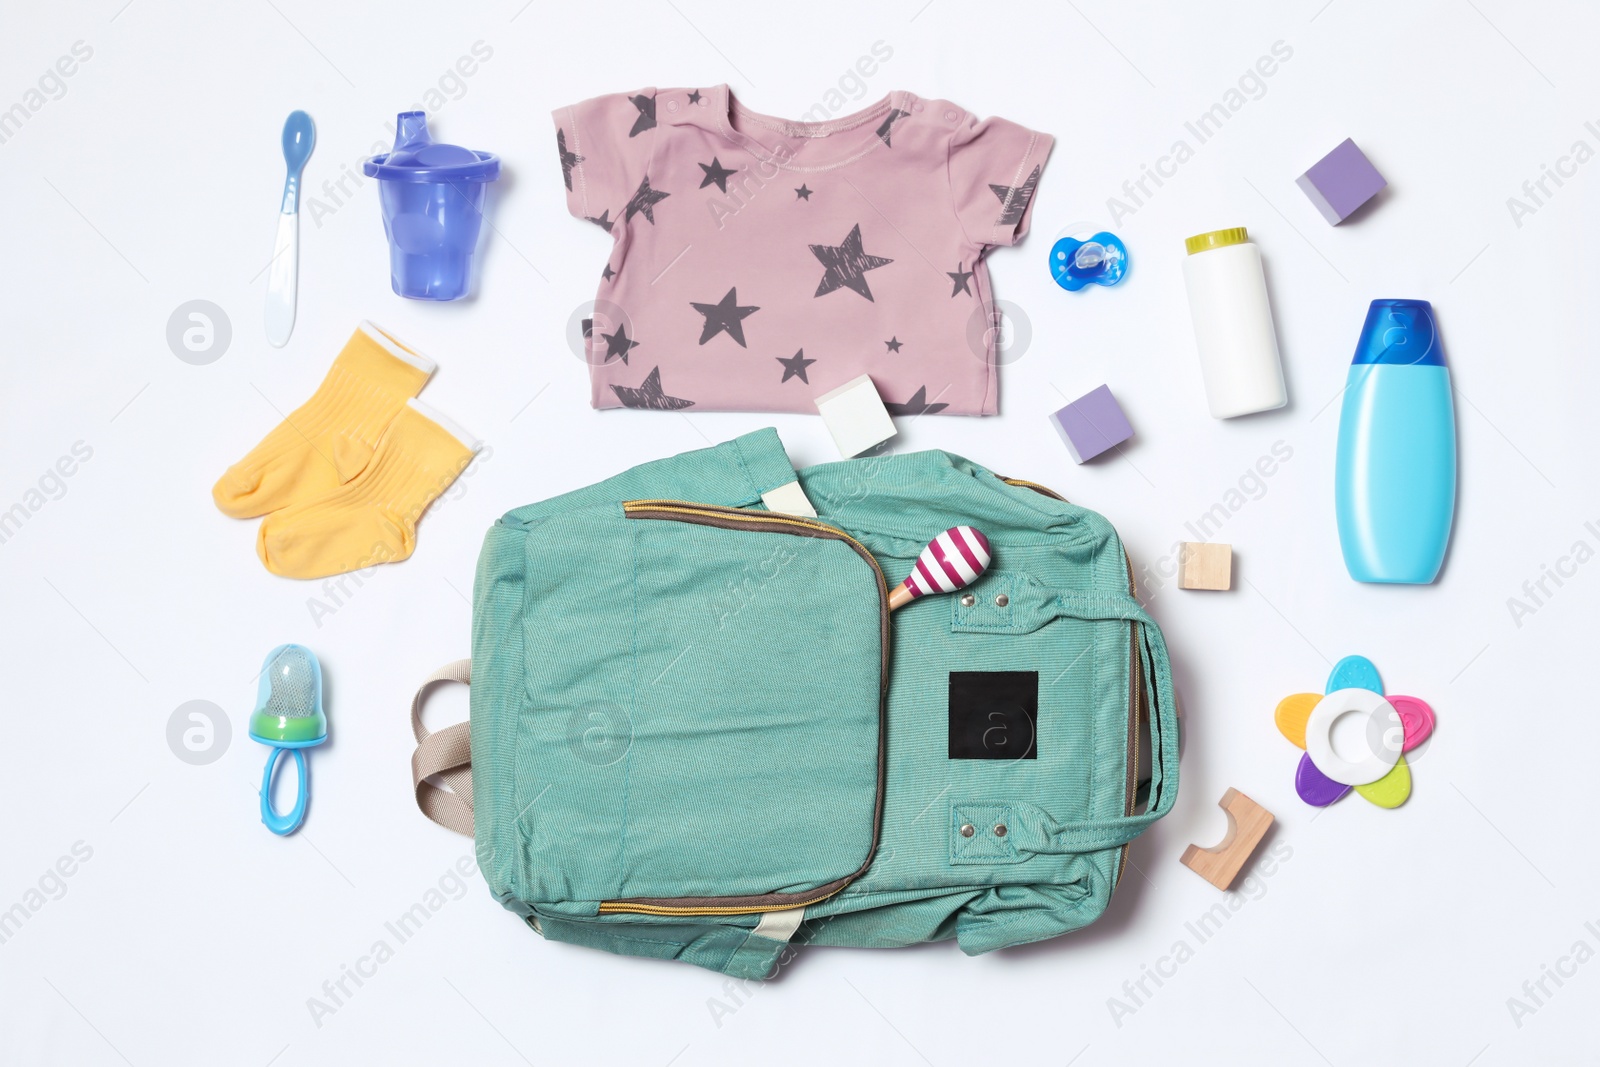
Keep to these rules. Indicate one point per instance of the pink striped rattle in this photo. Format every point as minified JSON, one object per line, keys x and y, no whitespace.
{"x":952,"y":561}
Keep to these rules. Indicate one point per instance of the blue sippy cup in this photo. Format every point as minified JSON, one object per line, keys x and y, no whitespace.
{"x":432,"y":199}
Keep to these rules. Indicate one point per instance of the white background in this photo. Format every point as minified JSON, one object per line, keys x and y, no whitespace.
{"x":193,"y":936}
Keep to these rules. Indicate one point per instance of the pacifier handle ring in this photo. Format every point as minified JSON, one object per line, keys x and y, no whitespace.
{"x":282,"y":825}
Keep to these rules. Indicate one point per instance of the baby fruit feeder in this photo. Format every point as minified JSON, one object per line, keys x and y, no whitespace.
{"x":288,"y":718}
{"x":432,"y":199}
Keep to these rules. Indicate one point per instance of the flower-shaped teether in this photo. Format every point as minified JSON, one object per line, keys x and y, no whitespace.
{"x":1394,"y":726}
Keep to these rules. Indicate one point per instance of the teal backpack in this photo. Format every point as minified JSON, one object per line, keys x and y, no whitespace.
{"x":697,"y":734}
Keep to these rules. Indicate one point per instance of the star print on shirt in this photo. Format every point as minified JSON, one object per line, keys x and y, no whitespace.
{"x":795,"y":366}
{"x":895,"y":115}
{"x":649,"y":395}
{"x":959,"y":279}
{"x":917,"y":405}
{"x":847,"y":265}
{"x":1014,"y":199}
{"x":647,"y":114}
{"x":618,"y":344}
{"x":643,"y":202}
{"x":802,"y":193}
{"x":568,"y":159}
{"x":694,"y":97}
{"x":716,"y":172}
{"x":725,"y":316}
{"x":893,"y":344}
{"x":604,"y":221}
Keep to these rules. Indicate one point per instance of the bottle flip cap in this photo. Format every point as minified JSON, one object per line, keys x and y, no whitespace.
{"x":1400,"y":332}
{"x":289,"y":718}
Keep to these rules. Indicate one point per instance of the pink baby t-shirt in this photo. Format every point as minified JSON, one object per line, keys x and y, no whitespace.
{"x":758,"y":263}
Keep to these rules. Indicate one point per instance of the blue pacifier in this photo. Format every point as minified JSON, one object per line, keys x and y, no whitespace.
{"x":1102,"y":260}
{"x":288,"y":717}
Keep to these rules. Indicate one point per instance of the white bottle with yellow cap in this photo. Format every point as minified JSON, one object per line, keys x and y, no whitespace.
{"x":1233,"y":324}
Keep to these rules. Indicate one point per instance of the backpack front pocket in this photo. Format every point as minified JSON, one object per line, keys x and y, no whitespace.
{"x":703,"y":723}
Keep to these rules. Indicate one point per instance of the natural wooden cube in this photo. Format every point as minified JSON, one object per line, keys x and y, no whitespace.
{"x":1202,"y":565}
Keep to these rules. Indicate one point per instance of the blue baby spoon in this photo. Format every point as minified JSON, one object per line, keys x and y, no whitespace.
{"x":289,"y":718}
{"x":299,"y":137}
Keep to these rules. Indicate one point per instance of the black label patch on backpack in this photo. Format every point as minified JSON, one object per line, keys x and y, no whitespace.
{"x":994,"y":714}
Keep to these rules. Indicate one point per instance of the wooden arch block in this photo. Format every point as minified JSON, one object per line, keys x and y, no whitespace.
{"x":1247,"y":825}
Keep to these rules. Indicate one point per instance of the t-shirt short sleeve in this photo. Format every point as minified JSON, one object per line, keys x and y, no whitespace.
{"x":994,"y":171}
{"x":605,"y":145}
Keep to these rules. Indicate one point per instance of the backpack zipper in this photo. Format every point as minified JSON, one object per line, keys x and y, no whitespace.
{"x":770,"y":522}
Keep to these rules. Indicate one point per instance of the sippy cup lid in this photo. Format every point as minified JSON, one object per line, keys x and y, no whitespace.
{"x":416,"y":158}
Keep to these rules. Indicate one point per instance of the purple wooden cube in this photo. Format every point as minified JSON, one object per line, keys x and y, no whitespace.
{"x":1091,"y":424}
{"x":1341,"y":181}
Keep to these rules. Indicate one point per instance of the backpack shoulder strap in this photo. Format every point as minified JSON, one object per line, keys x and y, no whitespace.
{"x":444,"y":756}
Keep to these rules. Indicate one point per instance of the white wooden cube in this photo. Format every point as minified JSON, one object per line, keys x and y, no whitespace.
{"x":855,"y":416}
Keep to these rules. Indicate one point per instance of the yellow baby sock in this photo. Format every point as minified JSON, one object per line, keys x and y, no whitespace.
{"x":371,"y":519}
{"x":329,"y":439}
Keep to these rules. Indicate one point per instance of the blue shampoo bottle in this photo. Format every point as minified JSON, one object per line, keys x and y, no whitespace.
{"x":1396,"y":485}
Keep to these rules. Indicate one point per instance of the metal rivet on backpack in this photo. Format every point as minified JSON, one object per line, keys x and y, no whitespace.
{"x":1001,"y":601}
{"x":967,"y":829}
{"x":1000,"y":830}
{"x":968,"y":600}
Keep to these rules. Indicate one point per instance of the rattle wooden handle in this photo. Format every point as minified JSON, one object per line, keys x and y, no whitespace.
{"x":952,"y":561}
